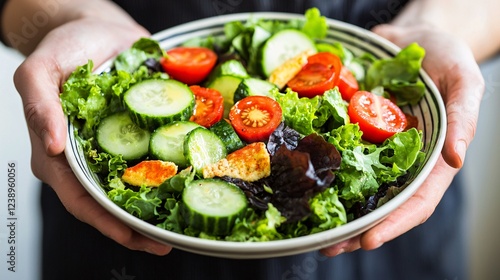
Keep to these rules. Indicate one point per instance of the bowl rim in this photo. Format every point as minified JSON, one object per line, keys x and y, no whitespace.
{"x":248,"y":250}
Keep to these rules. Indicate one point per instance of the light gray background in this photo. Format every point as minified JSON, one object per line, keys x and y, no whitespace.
{"x":481,"y":164}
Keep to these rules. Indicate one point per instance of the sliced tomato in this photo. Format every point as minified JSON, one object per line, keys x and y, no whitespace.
{"x":378,"y":117}
{"x":328,"y":59}
{"x":254,"y":118}
{"x":314,"y":79}
{"x":190,"y":65}
{"x":209,"y":106}
{"x":348,"y":85}
{"x":320,"y":74}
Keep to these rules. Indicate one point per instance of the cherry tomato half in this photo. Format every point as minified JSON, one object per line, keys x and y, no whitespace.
{"x":314,"y":79}
{"x":209,"y":106}
{"x":348,"y":85}
{"x":320,"y":74}
{"x":254,"y":118}
{"x":328,"y":59}
{"x":377,"y":116}
{"x":190,"y":65}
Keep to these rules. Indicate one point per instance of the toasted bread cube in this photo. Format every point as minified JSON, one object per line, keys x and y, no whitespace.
{"x":150,"y":173}
{"x":249,"y":163}
{"x":289,"y":69}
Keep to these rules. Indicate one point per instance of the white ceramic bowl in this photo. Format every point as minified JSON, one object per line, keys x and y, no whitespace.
{"x":430,"y":113}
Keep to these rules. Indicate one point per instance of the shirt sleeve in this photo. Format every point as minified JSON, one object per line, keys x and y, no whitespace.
{"x":2,"y":36}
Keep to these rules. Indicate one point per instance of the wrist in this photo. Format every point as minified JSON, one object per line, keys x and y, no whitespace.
{"x":24,"y":23}
{"x":453,"y":17}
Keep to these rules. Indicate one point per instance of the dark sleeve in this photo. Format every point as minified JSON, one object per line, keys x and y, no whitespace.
{"x":2,"y":36}
{"x":157,"y":15}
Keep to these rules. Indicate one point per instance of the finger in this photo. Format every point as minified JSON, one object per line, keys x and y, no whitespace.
{"x":390,"y":32}
{"x":415,"y":211}
{"x":457,"y":77}
{"x":39,"y":92}
{"x":86,"y":209}
{"x":40,"y":77}
{"x":463,"y":99}
{"x":412,"y":213}
{"x":80,"y":204}
{"x":346,"y":246}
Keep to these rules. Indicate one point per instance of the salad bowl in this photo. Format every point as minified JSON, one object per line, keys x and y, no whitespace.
{"x":430,"y":113}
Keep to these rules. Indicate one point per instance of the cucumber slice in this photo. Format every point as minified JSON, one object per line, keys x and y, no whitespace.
{"x":282,"y":46}
{"x":357,"y":69}
{"x":212,"y":205}
{"x":167,"y":142}
{"x":225,"y":79}
{"x":253,"y":86}
{"x":117,"y":135}
{"x":230,"y":67}
{"x":153,"y":103}
{"x":226,"y":133}
{"x":202,"y":147}
{"x":227,"y":86}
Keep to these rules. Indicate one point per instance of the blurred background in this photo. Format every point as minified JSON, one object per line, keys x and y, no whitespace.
{"x":481,"y":164}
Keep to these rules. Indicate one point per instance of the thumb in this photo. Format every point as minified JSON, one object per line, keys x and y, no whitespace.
{"x":451,"y":65}
{"x":37,"y":80}
{"x":390,"y":32}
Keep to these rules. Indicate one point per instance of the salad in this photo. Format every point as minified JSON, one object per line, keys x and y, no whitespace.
{"x":267,"y":132}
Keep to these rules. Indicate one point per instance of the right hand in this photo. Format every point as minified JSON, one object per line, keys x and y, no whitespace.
{"x":38,"y":80}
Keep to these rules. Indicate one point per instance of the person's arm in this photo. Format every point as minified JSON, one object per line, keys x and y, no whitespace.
{"x":456,"y":35}
{"x":58,"y":36}
{"x":475,"y":22}
{"x":26,"y":22}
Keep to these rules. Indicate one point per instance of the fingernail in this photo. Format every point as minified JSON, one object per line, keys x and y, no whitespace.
{"x":340,"y":251}
{"x":157,"y":250}
{"x":378,"y":245}
{"x":150,"y":251}
{"x":461,"y":149}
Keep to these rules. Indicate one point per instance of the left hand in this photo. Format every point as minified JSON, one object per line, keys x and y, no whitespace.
{"x":452,"y":67}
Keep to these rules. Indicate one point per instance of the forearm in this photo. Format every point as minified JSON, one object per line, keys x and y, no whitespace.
{"x":26,"y":22}
{"x":475,"y":22}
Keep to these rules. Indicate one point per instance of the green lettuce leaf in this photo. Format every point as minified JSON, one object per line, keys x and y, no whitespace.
{"x":315,"y":25}
{"x":358,"y":174}
{"x":172,"y":219}
{"x":298,"y":113}
{"x":399,"y":75}
{"x":255,"y":228}
{"x":312,"y":115}
{"x":346,"y":137}
{"x":176,"y":184}
{"x":335,"y":107}
{"x":246,"y":39}
{"x":337,"y":49}
{"x":86,"y":96}
{"x":402,"y":152}
{"x":365,"y":167}
{"x":142,"y":203}
{"x":134,"y":57}
{"x":327,"y":211}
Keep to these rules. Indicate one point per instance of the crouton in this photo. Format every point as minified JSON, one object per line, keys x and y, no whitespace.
{"x":249,"y":163}
{"x":150,"y":173}
{"x":289,"y":69}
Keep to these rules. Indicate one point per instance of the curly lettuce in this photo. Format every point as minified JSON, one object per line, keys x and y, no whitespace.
{"x":399,"y":75}
{"x":312,"y":115}
{"x":365,"y":166}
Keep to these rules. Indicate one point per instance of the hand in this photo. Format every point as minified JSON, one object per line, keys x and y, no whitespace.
{"x":452,"y":67}
{"x":38,"y":80}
